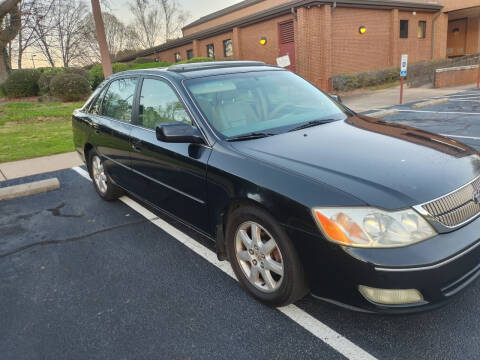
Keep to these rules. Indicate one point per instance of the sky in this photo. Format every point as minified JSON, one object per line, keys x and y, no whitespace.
{"x":196,"y":8}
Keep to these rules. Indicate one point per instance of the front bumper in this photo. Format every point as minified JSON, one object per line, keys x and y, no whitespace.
{"x":439,"y":268}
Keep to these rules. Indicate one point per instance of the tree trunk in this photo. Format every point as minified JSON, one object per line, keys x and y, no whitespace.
{"x":10,"y":55}
{"x":20,"y":50}
{"x":102,"y":40}
{"x":3,"y":66}
{"x":8,"y":33}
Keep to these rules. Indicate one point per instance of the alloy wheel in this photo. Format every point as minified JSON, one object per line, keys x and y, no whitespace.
{"x":259,"y":256}
{"x":99,"y":175}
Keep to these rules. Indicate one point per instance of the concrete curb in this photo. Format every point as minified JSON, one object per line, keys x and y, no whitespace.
{"x":430,"y":103}
{"x":36,"y":187}
{"x":383,"y":113}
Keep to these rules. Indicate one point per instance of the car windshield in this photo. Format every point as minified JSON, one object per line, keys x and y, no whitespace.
{"x":262,"y":102}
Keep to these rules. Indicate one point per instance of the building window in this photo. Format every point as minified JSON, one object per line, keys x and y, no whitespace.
{"x":422,"y":29}
{"x":403,"y":29}
{"x":211,"y":51}
{"x":178,"y":57}
{"x":227,"y":48}
{"x":189,"y":54}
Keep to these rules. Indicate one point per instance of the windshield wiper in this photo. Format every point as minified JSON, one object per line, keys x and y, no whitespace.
{"x":249,"y":136}
{"x":311,"y":124}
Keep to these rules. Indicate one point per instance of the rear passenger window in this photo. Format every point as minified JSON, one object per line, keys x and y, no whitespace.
{"x":118,"y":100}
{"x":160,"y":104}
{"x":96,"y":103}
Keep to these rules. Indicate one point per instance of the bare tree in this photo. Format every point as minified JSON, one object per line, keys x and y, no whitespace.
{"x":44,"y":28}
{"x":70,"y":20}
{"x":32,"y":12}
{"x":147,"y":27}
{"x":174,"y":18}
{"x":10,"y":23}
{"x":115,"y":32}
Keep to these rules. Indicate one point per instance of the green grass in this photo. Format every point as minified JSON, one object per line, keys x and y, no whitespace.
{"x":30,"y":129}
{"x":30,"y":111}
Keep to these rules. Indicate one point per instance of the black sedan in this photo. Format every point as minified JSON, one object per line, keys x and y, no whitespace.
{"x":298,"y":192}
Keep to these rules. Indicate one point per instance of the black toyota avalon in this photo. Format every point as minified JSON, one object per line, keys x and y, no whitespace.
{"x":299,"y":193}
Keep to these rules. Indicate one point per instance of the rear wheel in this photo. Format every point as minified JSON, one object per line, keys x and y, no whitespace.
{"x":263,"y":258}
{"x":101,"y":181}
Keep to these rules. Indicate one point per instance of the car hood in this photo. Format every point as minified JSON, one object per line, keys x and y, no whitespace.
{"x":385,"y":165}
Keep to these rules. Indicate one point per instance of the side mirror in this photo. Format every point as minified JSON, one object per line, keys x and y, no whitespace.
{"x":178,"y":132}
{"x":336,"y":98}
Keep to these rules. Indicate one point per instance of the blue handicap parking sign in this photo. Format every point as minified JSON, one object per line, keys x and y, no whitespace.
{"x":403,"y":73}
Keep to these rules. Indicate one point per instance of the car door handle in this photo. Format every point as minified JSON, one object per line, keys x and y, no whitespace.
{"x":136,"y":148}
{"x":97,"y":132}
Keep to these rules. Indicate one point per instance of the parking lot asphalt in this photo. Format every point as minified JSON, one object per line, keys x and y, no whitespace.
{"x":84,"y":278}
{"x":459,"y":118}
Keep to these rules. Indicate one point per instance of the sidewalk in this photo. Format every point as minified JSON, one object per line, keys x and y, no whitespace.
{"x":363,"y":100}
{"x":21,"y":168}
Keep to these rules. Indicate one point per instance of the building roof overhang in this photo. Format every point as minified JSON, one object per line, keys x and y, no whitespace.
{"x":284,"y":9}
{"x":356,"y":3}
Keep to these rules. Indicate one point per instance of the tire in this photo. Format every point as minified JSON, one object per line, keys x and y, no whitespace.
{"x":275,"y":285}
{"x":101,"y":181}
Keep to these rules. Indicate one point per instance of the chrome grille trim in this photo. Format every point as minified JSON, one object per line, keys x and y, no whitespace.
{"x":454,"y":209}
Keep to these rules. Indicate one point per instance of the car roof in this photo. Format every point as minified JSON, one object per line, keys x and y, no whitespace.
{"x":202,"y":69}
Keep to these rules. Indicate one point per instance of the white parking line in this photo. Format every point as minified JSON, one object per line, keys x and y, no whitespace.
{"x":468,"y":100}
{"x":305,"y":320}
{"x":461,"y":136}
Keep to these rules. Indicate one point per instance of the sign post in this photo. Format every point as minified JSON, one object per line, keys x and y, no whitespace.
{"x":403,"y":73}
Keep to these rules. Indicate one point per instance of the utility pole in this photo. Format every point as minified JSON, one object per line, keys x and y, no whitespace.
{"x":102,"y":40}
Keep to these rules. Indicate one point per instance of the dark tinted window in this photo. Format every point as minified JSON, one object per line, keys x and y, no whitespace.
{"x":96,"y":102}
{"x":189,"y":54}
{"x":160,"y":104}
{"x":210,"y":51}
{"x":422,"y":29}
{"x":118,"y":99}
{"x":403,"y":29}
{"x":227,"y":48}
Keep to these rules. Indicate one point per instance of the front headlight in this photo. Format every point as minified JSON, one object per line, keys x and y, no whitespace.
{"x":371,"y":227}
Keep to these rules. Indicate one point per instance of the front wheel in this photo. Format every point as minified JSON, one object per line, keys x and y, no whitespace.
{"x":102,"y":183}
{"x":263,"y":258}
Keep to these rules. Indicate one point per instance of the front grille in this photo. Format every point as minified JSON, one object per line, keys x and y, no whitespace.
{"x":456,"y":208}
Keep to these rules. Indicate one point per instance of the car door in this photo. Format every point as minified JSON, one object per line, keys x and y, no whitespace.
{"x":173,"y":175}
{"x":113,"y":128}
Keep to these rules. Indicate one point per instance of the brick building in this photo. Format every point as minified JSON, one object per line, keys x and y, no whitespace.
{"x":328,"y":37}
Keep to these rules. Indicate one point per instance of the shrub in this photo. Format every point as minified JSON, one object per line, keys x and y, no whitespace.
{"x":78,"y":71}
{"x":22,"y":83}
{"x":195,"y":60}
{"x":142,"y":60}
{"x":70,"y":87}
{"x":44,"y":81}
{"x":347,"y":82}
{"x":95,"y":74}
{"x":149,"y":65}
{"x":118,"y":67}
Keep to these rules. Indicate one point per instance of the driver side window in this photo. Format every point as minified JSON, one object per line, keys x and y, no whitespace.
{"x":160,"y":104}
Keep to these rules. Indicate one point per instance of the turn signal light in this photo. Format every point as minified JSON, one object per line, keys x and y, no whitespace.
{"x":332,"y":229}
